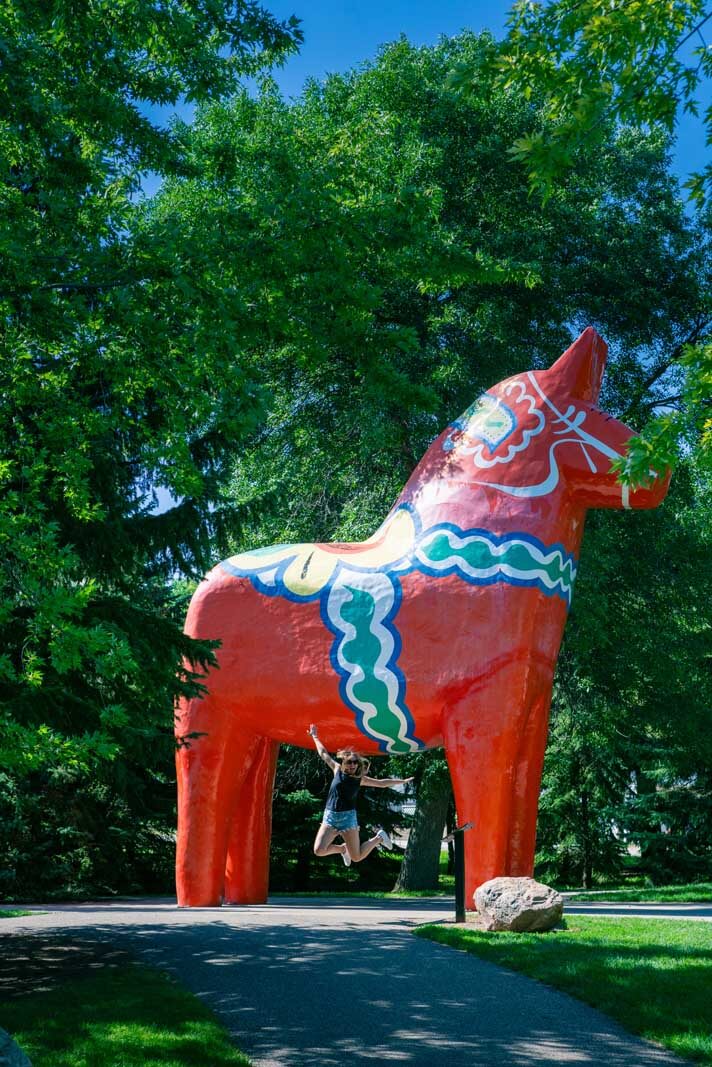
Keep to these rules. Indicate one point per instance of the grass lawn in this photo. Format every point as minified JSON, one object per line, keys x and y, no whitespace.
{"x":128,"y":1016}
{"x":4,"y":914}
{"x":698,"y":893}
{"x":653,"y":975}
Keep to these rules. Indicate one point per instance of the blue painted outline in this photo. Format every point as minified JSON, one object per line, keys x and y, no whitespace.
{"x":280,"y":589}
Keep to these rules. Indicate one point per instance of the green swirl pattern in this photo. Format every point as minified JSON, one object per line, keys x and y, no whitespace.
{"x":479,"y":558}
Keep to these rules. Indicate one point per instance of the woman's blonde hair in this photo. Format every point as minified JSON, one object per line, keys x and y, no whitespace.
{"x":363,"y":763}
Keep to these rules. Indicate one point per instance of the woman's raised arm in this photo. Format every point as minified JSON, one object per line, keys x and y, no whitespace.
{"x":312,"y":731}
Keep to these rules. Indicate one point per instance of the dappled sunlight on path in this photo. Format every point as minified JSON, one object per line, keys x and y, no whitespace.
{"x":308,"y":983}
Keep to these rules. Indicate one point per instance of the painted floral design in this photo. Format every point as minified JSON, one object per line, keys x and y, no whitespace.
{"x":359,"y":588}
{"x":498,"y":426}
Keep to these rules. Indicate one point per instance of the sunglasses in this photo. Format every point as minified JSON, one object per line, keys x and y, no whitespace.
{"x":347,"y":761}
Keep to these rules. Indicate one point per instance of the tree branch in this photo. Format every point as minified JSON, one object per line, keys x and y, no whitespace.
{"x":72,"y":287}
{"x":662,"y":402}
{"x":692,"y":338}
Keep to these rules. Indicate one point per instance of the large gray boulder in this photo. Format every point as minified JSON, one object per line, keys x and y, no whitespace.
{"x":518,"y":904}
{"x":11,"y":1055}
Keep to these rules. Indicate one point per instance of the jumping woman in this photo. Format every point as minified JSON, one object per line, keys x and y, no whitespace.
{"x":339,"y":818}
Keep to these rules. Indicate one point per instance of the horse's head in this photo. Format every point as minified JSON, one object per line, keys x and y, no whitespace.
{"x":541,"y":431}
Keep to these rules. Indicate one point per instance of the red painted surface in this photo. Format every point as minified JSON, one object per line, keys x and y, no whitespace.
{"x":476,"y":656}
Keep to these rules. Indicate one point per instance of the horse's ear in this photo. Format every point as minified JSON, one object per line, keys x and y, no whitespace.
{"x":581,"y":367}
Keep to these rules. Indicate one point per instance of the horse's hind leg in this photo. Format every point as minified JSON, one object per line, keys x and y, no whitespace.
{"x":210,"y":769}
{"x":247,"y":868}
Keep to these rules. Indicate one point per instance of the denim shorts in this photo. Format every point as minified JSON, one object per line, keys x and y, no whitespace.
{"x":341,"y":820}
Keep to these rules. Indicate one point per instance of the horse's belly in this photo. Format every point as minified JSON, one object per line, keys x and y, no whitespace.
{"x":285,"y":664}
{"x":275,"y":665}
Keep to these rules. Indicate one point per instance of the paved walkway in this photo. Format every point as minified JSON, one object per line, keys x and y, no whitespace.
{"x":302,"y":983}
{"x":645,"y":911}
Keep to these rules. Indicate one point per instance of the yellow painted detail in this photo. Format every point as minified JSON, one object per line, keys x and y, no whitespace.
{"x":313,"y":565}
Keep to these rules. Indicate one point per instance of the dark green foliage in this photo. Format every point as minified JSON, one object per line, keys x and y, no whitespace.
{"x":412,"y":270}
{"x":591,"y":62}
{"x":585,"y":779}
{"x":68,"y":835}
{"x":111,"y":379}
{"x":434,"y":807}
{"x":113,"y":373}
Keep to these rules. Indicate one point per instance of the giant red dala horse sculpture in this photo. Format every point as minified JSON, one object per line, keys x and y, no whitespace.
{"x":441,"y":629}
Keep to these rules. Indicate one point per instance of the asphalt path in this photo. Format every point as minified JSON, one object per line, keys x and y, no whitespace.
{"x":645,"y":911}
{"x":311,"y":983}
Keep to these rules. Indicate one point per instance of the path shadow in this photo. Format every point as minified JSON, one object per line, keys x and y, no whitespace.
{"x":38,"y":963}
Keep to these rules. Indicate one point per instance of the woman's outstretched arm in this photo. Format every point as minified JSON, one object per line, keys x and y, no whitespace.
{"x":383,"y":783}
{"x":320,"y":748}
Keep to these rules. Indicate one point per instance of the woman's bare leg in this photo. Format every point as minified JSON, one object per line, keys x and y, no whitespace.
{"x":356,"y":850}
{"x":323,"y":843}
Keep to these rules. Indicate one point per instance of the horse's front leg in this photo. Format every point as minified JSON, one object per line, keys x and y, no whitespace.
{"x":527,"y":783}
{"x":493,"y":739}
{"x":211,"y":768}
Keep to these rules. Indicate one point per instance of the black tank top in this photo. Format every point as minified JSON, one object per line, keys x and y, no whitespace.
{"x":342,"y":792}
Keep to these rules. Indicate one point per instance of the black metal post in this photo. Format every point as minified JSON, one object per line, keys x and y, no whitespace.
{"x":459,"y":846}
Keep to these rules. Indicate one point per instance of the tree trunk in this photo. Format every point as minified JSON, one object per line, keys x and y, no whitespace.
{"x":587,"y":873}
{"x":421,"y":862}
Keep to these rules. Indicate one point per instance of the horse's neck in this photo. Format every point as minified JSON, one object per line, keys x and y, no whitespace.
{"x":439,"y":494}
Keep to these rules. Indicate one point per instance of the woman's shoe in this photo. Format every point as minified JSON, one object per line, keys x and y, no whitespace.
{"x":385,"y":838}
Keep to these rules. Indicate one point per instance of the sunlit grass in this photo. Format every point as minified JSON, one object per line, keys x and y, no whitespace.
{"x":653,"y":975}
{"x":128,"y":1016}
{"x":14,"y":914}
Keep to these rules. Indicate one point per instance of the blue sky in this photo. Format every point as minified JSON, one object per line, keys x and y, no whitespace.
{"x":341,"y":35}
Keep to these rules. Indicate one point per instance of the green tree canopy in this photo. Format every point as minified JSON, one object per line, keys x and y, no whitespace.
{"x":392,"y":265}
{"x":102,"y":397}
{"x":592,"y":62}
